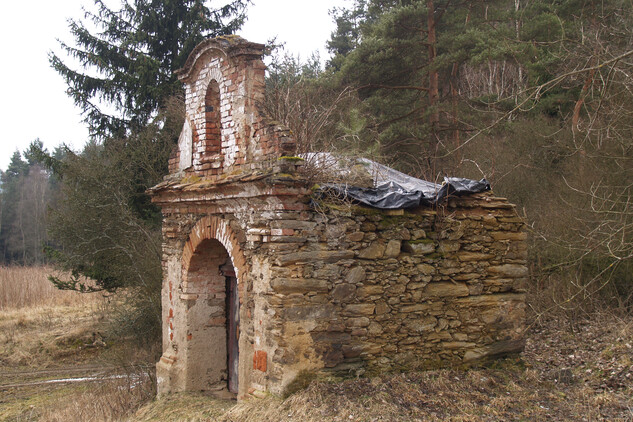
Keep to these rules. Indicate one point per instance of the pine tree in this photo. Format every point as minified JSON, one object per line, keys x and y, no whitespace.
{"x":432,"y":72}
{"x":346,"y":37}
{"x":406,"y":67}
{"x":129,"y":63}
{"x":11,"y":181}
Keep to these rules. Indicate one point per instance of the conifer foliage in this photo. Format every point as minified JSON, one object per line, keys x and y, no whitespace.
{"x":104,"y":230}
{"x":128,"y":56}
{"x":536,"y":96}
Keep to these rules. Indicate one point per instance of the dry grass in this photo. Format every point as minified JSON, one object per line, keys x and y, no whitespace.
{"x":22,"y":287}
{"x":107,"y":401}
{"x":568,"y":372}
{"x":476,"y":395}
{"x":584,"y":375}
{"x":184,"y":407}
{"x":46,"y":334}
{"x":41,"y":326}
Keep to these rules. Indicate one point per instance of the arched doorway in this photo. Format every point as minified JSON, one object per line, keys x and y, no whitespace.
{"x":212,"y":319}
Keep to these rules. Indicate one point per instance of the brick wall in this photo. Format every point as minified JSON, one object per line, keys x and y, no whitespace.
{"x":224,"y":84}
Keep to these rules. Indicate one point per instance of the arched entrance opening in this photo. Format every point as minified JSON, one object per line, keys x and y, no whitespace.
{"x":212,"y":319}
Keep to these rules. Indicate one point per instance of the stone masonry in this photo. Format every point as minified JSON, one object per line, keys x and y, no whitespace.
{"x":318,"y":285}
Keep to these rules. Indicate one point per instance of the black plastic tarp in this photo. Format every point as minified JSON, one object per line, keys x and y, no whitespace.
{"x":393,"y":189}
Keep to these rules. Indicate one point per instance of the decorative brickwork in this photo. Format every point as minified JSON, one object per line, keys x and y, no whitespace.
{"x":248,"y":256}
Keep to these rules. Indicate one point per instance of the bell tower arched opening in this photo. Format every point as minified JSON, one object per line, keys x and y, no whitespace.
{"x":212,"y":120}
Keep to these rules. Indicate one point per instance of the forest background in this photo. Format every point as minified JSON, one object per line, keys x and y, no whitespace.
{"x":535,"y":96}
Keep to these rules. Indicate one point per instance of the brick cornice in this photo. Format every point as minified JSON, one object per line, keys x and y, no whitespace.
{"x":229,"y":46}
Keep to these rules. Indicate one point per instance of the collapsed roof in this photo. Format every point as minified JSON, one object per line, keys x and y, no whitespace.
{"x":370,"y":183}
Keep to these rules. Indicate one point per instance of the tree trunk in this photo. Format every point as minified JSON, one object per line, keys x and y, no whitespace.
{"x":434,"y":117}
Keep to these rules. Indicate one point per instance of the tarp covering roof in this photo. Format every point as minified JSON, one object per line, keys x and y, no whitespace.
{"x":390,"y":189}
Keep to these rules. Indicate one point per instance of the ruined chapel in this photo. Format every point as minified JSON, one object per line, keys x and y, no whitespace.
{"x":264,"y":281}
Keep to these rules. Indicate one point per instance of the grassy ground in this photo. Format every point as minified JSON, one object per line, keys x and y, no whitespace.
{"x":582,"y":372}
{"x":561,"y":376}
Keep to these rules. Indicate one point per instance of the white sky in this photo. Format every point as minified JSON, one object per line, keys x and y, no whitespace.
{"x":33,"y":100}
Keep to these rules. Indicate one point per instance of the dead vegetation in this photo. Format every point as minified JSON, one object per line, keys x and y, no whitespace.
{"x":107,"y":401}
{"x":51,"y":338}
{"x":568,"y":372}
{"x":41,"y":326}
{"x":183,"y":407}
{"x":28,"y":287}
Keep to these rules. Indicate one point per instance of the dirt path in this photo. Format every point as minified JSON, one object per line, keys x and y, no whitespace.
{"x":71,"y":392}
{"x":66,"y":375}
{"x":15,"y":378}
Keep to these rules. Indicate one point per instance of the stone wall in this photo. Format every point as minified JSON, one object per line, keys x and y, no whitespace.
{"x":409,"y":289}
{"x":358,"y":289}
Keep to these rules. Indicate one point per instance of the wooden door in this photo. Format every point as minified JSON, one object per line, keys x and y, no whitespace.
{"x":233,"y":331}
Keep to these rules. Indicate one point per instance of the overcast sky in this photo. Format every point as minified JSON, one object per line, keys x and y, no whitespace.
{"x":33,"y":101}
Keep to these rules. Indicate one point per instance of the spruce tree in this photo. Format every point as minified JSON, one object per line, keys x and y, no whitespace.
{"x":129,"y":60}
{"x":103,"y":226}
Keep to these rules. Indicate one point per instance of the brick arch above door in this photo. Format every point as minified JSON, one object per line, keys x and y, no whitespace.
{"x":210,"y":227}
